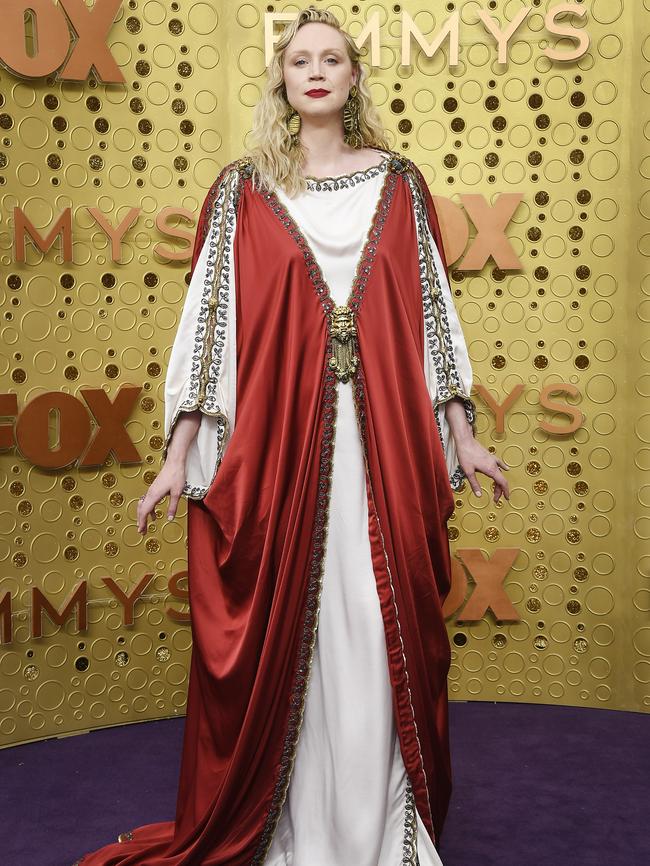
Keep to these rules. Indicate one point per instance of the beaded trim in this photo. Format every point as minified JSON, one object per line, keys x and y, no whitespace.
{"x":198,"y":491}
{"x":436,"y":323}
{"x":321,"y":519}
{"x":310,"y":620}
{"x":210,"y":338}
{"x":435,"y":313}
{"x":346,"y":181}
{"x":367,"y":254}
{"x":457,"y":477}
{"x":410,"y":844}
{"x":211,"y":329}
{"x":359,"y":393}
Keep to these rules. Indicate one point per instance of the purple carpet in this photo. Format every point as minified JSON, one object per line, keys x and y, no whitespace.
{"x":533,"y":784}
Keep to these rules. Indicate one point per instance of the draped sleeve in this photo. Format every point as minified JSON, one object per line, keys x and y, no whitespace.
{"x":202,"y":367}
{"x":447,"y":367}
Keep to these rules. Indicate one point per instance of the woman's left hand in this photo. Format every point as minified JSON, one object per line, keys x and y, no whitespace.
{"x":473,"y":458}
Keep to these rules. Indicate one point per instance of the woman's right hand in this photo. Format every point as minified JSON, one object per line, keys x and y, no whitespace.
{"x":169,"y":481}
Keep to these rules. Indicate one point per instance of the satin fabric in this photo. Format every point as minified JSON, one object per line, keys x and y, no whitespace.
{"x":348,"y":751}
{"x":204,"y":348}
{"x":256,"y":540}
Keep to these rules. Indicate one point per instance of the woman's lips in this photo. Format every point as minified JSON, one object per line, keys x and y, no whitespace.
{"x":317,"y":93}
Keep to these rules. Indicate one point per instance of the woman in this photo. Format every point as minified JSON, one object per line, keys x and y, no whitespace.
{"x":317,"y":416}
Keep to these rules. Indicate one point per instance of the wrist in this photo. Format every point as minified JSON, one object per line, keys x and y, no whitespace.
{"x":176,"y":458}
{"x":460,"y":427}
{"x":463,"y":435}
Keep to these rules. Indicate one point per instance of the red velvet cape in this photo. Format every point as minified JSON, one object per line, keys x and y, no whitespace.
{"x":256,"y":541}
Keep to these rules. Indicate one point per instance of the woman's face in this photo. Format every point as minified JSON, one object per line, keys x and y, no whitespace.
{"x":317,"y":59}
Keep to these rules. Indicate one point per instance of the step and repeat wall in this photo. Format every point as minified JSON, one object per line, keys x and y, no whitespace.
{"x":530,"y":123}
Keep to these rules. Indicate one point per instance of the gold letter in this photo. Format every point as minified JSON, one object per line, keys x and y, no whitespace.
{"x":453,"y":225}
{"x":111,"y":417}
{"x":181,"y":595}
{"x":499,"y":409}
{"x":502,"y":37}
{"x":371,"y":31}
{"x":33,"y":430}
{"x":581,"y":37}
{"x":91,"y":48}
{"x":488,"y":575}
{"x":6,"y":625}
{"x":456,"y":595}
{"x":491,"y":222}
{"x":270,"y":38}
{"x":161,"y":224}
{"x":8,"y":408}
{"x":449,"y":28}
{"x":49,"y":37}
{"x":114,"y":235}
{"x":128,"y":600}
{"x":77,"y":599}
{"x":574,"y":414}
{"x":62,"y":225}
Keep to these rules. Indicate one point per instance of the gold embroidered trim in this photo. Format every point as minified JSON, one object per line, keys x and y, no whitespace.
{"x":310,"y":620}
{"x":341,"y":317}
{"x":333,"y":182}
{"x":218,"y":294}
{"x":439,"y":343}
{"x":211,"y":331}
{"x":410,"y":843}
{"x":359,"y":393}
{"x":319,"y":538}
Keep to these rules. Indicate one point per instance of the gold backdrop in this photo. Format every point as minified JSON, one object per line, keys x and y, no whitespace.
{"x":540,"y":170}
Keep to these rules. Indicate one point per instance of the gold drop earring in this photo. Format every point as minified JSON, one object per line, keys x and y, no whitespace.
{"x":292,"y":120}
{"x":351,"y":124}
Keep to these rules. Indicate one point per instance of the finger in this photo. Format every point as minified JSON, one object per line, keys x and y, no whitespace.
{"x":500,"y":479}
{"x":173,"y":505}
{"x":502,"y":464}
{"x":473,"y":483}
{"x":505,"y":488}
{"x":149,"y":513}
{"x":500,"y":489}
{"x":141,"y":520}
{"x":493,"y":472}
{"x":500,"y":483}
{"x":146,"y":508}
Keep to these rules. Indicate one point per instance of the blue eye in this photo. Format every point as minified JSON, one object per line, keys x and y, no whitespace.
{"x":300,"y":59}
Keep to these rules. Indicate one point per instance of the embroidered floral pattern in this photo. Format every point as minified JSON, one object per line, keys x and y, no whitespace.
{"x":310,"y":620}
{"x":457,"y":476}
{"x":436,"y":324}
{"x":359,"y":392}
{"x":211,"y":329}
{"x":410,"y":843}
{"x":346,"y":181}
{"x":210,"y":337}
{"x":330,"y":398}
{"x":367,"y":254}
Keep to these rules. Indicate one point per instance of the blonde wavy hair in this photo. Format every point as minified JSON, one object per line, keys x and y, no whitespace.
{"x":275,"y":160}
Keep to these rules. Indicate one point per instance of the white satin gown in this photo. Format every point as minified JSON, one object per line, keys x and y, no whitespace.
{"x":349,"y":801}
